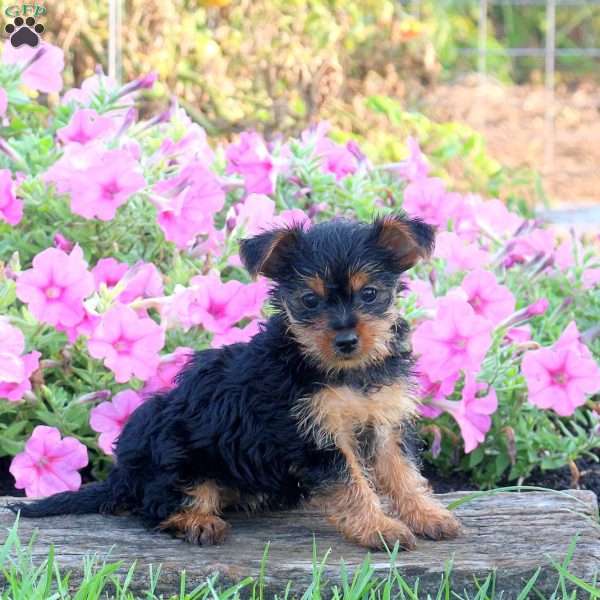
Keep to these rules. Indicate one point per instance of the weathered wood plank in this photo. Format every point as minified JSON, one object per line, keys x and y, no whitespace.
{"x":511,"y":533}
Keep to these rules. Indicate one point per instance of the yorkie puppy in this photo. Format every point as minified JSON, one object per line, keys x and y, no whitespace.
{"x":315,"y":407}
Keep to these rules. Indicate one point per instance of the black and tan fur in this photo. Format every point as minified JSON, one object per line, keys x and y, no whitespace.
{"x":314,"y":408}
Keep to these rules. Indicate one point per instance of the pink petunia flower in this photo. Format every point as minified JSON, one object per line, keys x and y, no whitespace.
{"x":109,"y":418}
{"x":15,"y":367}
{"x":215,"y":305}
{"x":236,"y":334}
{"x":83,"y":96}
{"x":71,"y":167}
{"x":86,"y":125}
{"x":456,"y":340}
{"x":564,"y":255}
{"x":472,"y":413}
{"x":193,"y":145}
{"x":415,"y":167}
{"x":11,"y":208}
{"x":107,"y":183}
{"x":251,"y":159}
{"x":459,"y":213}
{"x":143,"y":280}
{"x":94,"y":86}
{"x":187,"y":204}
{"x":530,"y":245}
{"x":45,"y":65}
{"x":562,"y":375}
{"x":487,"y":297}
{"x":55,"y":287}
{"x":13,"y":345}
{"x":212,"y":242}
{"x":495,"y":216}
{"x":109,"y":271}
{"x":84,"y":327}
{"x":15,"y":390}
{"x":590,"y":278}
{"x":432,"y":391}
{"x":254,"y":215}
{"x":334,"y":158}
{"x":429,"y":411}
{"x":423,"y":291}
{"x":426,"y":198}
{"x":48,"y":464}
{"x":459,"y":256}
{"x":168,"y":369}
{"x":257,"y":214}
{"x":128,"y":343}
{"x":291,"y":216}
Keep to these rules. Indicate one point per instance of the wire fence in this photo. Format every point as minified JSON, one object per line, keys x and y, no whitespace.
{"x":549,"y":52}
{"x":115,"y":39}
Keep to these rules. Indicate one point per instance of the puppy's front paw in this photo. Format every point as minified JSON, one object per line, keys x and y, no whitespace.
{"x":387,"y":532}
{"x":433,"y":521}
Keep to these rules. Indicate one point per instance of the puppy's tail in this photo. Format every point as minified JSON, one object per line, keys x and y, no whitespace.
{"x":91,"y":498}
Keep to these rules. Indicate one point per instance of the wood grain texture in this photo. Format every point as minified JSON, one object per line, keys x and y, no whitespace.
{"x":511,"y":533}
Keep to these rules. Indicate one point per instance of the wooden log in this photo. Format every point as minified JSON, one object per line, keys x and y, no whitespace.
{"x":511,"y":533}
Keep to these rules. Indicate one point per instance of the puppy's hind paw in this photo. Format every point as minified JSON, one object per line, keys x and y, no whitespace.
{"x":214,"y":531}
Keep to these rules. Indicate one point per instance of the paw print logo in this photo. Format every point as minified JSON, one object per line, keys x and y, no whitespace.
{"x":24,"y":32}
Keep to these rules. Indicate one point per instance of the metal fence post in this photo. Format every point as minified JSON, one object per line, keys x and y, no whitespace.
{"x":550,"y":66}
{"x":115,"y":21}
{"x":482,"y":38}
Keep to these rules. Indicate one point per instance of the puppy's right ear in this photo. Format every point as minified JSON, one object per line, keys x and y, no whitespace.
{"x":266,"y":253}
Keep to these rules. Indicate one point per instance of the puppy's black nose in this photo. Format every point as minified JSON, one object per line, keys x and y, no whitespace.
{"x":346,"y":341}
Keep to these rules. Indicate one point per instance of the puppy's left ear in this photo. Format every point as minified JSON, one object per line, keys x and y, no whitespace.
{"x":409,"y":240}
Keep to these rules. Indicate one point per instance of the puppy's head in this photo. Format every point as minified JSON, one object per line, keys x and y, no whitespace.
{"x":337,"y":283}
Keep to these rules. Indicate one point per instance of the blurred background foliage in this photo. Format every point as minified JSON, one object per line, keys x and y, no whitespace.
{"x":364,"y":65}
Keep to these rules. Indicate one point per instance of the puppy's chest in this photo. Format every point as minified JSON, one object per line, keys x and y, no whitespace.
{"x":335,"y":411}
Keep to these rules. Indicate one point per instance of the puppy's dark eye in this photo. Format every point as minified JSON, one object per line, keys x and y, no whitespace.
{"x":310,"y":300}
{"x":368,"y":294}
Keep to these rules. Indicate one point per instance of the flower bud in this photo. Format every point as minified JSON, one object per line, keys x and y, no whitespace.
{"x":62,"y":243}
{"x":535,"y":309}
{"x":354,"y":149}
{"x":98,"y":395}
{"x":539,"y":307}
{"x":141,"y":83}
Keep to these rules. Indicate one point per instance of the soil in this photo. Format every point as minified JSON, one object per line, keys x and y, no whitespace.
{"x":7,"y":487}
{"x":512,"y":119}
{"x":557,"y":479}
